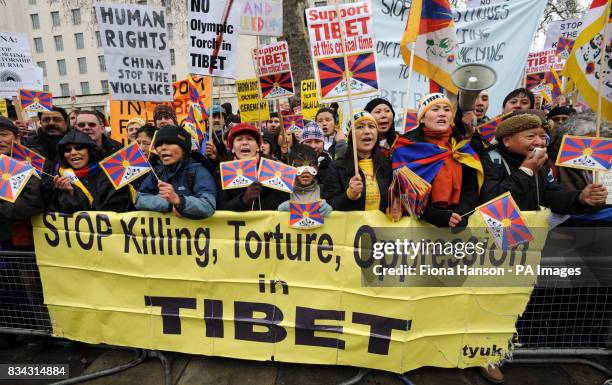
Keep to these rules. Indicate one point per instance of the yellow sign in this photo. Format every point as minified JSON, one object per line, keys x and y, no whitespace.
{"x":309,"y":99}
{"x":248,"y":286}
{"x":3,"y":108}
{"x":121,"y":111}
{"x":249,"y":100}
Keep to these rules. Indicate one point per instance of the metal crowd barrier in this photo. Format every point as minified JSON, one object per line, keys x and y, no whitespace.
{"x":558,"y":321}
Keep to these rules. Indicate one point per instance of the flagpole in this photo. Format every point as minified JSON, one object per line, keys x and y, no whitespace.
{"x":212,"y":107}
{"x":18,"y":109}
{"x":258,"y":83}
{"x":348,"y":86}
{"x":599,"y":87}
{"x":410,"y":66}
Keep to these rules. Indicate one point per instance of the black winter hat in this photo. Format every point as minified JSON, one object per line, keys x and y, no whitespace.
{"x":173,"y":135}
{"x":375,"y":102}
{"x":77,"y":137}
{"x":6,"y":124}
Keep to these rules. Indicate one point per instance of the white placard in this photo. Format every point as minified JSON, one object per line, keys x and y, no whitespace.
{"x":16,"y":67}
{"x":262,"y":17}
{"x":563,"y":28}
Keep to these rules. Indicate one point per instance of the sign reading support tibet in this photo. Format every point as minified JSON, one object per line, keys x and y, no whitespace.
{"x":327,"y":50}
{"x":261,"y":17}
{"x":273,"y":70}
{"x":542,"y":61}
{"x":213,"y":36}
{"x":135,"y":41}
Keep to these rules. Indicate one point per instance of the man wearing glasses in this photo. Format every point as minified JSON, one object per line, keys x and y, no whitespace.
{"x":91,"y":124}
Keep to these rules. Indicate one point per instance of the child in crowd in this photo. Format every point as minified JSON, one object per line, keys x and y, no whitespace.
{"x":184,"y":186}
{"x":312,"y":136}
{"x":306,"y":188}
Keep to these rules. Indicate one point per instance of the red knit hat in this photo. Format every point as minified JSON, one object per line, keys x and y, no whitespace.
{"x":243,"y":128}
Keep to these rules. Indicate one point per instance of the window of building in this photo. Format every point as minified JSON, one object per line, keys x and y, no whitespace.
{"x":59,"y":43}
{"x":170,"y":30}
{"x":173,"y":78}
{"x":35,"y":21}
{"x":104,"y":84}
{"x":102,"y":63}
{"x":55,"y":18}
{"x":32,"y":2}
{"x":38,"y":46}
{"x":61,"y":67}
{"x":82,"y":65}
{"x":64,"y":89}
{"x":172,"y":57}
{"x":78,"y":40}
{"x":42,"y":65}
{"x":76,"y":16}
{"x":98,"y":39}
{"x":45,"y":88}
{"x":84,"y":88}
{"x":141,"y":2}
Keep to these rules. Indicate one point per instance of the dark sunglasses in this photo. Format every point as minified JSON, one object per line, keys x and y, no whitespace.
{"x":87,"y":124}
{"x":76,"y":147}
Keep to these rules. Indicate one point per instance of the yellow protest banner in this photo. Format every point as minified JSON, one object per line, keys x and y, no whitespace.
{"x":121,"y":111}
{"x":250,"y":103}
{"x":248,"y":286}
{"x":3,"y":108}
{"x":309,"y":99}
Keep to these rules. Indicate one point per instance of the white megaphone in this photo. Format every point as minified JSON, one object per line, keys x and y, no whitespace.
{"x":471,"y":79}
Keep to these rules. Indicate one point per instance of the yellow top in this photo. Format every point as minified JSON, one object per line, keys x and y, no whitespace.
{"x":372,"y":199}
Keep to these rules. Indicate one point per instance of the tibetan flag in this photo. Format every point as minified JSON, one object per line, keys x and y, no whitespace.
{"x":276,"y":175}
{"x":583,"y":63}
{"x":276,"y":85}
{"x":410,"y":120}
{"x":305,"y":215}
{"x":35,"y":101}
{"x":200,"y":93}
{"x":362,"y":67}
{"x":505,"y":222}
{"x":430,"y":26}
{"x":534,"y":80}
{"x":293,"y":123}
{"x":125,"y":165}
{"x":15,"y":175}
{"x":238,"y":173}
{"x":585,"y":153}
{"x":24,"y":154}
{"x":554,"y":84}
{"x":487,"y":129}
{"x":564,"y":47}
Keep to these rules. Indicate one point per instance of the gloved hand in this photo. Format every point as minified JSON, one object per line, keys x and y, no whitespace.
{"x":251,"y":194}
{"x":325,"y":209}
{"x":283,"y":206}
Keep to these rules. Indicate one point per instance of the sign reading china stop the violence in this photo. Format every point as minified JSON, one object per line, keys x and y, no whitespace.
{"x":327,"y":50}
{"x":274,"y":70}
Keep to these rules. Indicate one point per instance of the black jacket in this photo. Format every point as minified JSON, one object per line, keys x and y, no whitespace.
{"x":340,"y":173}
{"x":324,"y":161}
{"x":526,"y":190}
{"x":109,"y":146}
{"x":45,"y":145}
{"x":468,"y":200}
{"x":28,"y":204}
{"x":269,"y":199}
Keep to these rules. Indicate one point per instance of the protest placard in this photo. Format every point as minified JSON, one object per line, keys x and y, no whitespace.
{"x":17,"y":69}
{"x":327,"y":51}
{"x":252,"y":107}
{"x":542,"y":61}
{"x":562,"y":28}
{"x":309,"y":99}
{"x":213,"y":36}
{"x":480,"y":3}
{"x":273,"y":70}
{"x":3,"y":108}
{"x":135,"y":41}
{"x":261,"y":17}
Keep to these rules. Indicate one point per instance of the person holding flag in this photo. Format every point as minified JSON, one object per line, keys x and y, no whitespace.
{"x":79,"y":183}
{"x":179,"y":184}
{"x":518,"y":164}
{"x":437,"y":152}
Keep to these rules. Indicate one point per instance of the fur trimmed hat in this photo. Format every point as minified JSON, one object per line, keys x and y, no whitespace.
{"x":521,"y":120}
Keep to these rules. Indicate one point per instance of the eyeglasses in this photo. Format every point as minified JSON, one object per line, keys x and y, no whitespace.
{"x":87,"y":124}
{"x":55,"y":119}
{"x":76,"y":147}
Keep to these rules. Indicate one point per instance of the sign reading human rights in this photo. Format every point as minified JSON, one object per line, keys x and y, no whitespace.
{"x":273,"y":70}
{"x":326,"y":30}
{"x":135,"y":41}
{"x":261,"y":17}
{"x":213,"y":36}
{"x":247,"y":285}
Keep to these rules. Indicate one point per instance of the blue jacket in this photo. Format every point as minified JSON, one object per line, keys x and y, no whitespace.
{"x":191,"y":181}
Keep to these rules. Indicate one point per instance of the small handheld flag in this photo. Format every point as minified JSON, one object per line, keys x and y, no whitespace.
{"x":125,"y":165}
{"x":276,"y":175}
{"x":14,"y":176}
{"x":564,"y":47}
{"x":305,"y":215}
{"x":36,"y":101}
{"x":238,"y":173}
{"x":487,"y":129}
{"x":585,"y":153}
{"x":24,"y":154}
{"x":293,"y":123}
{"x":410,"y":120}
{"x":505,"y":222}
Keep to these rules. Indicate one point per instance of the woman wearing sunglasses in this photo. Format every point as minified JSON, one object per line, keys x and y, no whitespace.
{"x":79,"y":183}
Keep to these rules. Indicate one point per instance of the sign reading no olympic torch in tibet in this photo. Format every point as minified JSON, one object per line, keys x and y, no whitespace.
{"x":213,"y":36}
{"x":274,"y":70}
{"x":327,"y":50}
{"x":135,"y":42}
